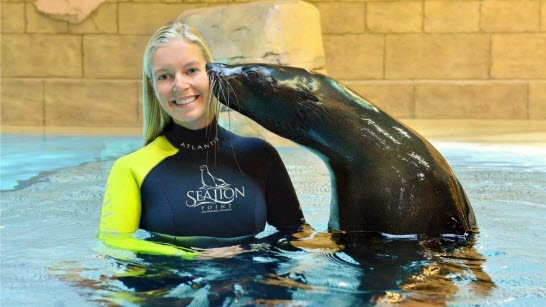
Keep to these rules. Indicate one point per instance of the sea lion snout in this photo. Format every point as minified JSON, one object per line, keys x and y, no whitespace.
{"x":222,"y":69}
{"x":214,"y":67}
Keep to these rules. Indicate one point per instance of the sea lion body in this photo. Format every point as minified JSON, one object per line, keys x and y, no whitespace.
{"x":385,"y":177}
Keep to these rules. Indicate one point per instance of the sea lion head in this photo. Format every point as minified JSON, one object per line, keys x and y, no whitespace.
{"x":286,"y":100}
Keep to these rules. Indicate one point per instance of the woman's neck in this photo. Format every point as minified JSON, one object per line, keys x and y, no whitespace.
{"x":197,"y":124}
{"x":193,"y":139}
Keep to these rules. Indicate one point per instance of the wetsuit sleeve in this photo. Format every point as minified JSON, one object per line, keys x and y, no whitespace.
{"x":283,"y":207}
{"x":120,"y":216}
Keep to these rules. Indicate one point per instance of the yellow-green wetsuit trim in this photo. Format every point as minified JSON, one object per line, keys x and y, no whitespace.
{"x":121,"y":207}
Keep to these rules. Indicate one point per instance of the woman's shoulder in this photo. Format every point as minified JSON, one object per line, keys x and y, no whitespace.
{"x":155,"y":151}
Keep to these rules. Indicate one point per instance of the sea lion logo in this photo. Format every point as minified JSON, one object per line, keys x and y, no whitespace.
{"x":210,"y":182}
{"x":214,"y":195}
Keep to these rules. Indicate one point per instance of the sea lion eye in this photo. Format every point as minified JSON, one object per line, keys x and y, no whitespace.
{"x":252,"y":75}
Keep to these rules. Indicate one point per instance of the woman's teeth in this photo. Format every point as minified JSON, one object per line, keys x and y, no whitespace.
{"x":185,"y":101}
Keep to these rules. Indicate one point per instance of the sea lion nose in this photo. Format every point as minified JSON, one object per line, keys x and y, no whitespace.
{"x":223,"y":70}
{"x":214,"y":67}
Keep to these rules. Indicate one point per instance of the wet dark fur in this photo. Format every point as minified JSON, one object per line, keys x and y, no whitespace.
{"x":385,"y":177}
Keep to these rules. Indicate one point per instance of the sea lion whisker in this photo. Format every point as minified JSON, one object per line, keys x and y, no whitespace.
{"x":251,"y":124}
{"x":228,"y":89}
{"x":207,"y":113}
{"x":222,"y":90}
{"x":216,"y":85}
{"x":225,"y":94}
{"x":234,"y":93}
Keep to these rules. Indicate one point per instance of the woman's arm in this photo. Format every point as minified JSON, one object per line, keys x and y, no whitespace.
{"x":127,"y":242}
{"x":120,"y":216}
{"x":283,"y":207}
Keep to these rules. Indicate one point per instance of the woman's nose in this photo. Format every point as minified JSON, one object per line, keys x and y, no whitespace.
{"x":180,"y":83}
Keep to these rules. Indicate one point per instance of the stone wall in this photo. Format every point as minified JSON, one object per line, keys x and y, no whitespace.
{"x":482,"y":59}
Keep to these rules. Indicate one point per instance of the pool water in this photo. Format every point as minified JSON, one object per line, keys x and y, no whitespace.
{"x":52,"y":191}
{"x":26,"y":155}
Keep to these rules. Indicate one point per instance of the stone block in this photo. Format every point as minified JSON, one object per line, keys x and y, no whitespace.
{"x":391,"y":97}
{"x":113,"y":56}
{"x":181,"y":1}
{"x":41,"y":55}
{"x":438,"y":56}
{"x":103,"y":20}
{"x":22,"y":102}
{"x":471,"y":100}
{"x":12,"y":17}
{"x":91,"y":103}
{"x":537,"y":100}
{"x":519,"y":56}
{"x":452,"y":16}
{"x":342,"y":17}
{"x":396,"y":16}
{"x":74,"y":11}
{"x":543,"y":16}
{"x":38,"y":22}
{"x":279,"y":32}
{"x":353,"y":57}
{"x":213,"y":2}
{"x":136,"y":18}
{"x":510,"y":15}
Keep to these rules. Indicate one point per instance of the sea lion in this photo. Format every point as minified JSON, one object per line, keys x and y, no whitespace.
{"x":385,"y":177}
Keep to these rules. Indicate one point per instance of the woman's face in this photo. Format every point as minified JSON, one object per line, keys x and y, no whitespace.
{"x":181,"y":84}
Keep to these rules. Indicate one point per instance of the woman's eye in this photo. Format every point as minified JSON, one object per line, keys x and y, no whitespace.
{"x":192,"y":70}
{"x":162,"y":77}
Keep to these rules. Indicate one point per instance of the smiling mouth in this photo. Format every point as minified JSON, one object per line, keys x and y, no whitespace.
{"x":183,"y":102}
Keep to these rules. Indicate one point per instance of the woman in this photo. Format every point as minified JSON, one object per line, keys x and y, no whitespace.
{"x":193,"y":183}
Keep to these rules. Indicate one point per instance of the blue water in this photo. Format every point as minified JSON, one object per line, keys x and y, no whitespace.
{"x":26,"y":155}
{"x":53,"y":186}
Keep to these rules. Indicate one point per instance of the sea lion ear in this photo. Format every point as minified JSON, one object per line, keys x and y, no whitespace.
{"x":307,"y":96}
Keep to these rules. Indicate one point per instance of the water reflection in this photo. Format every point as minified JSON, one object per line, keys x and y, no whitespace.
{"x":342,"y":268}
{"x":396,"y":270}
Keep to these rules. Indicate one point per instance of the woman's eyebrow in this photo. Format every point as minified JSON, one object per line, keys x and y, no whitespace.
{"x":160,"y":70}
{"x":192,"y":63}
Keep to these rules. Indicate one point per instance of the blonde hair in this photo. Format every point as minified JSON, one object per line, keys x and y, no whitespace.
{"x":155,"y":118}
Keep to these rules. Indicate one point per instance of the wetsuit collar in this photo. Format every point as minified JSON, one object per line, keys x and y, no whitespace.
{"x":193,"y":140}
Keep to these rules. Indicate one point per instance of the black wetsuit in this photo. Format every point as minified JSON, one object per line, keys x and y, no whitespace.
{"x":217,"y":185}
{"x":200,"y":183}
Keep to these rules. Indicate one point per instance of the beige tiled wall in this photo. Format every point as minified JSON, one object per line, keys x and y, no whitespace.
{"x":482,"y":59}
